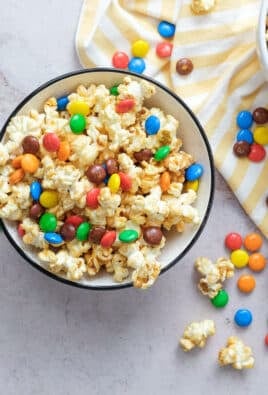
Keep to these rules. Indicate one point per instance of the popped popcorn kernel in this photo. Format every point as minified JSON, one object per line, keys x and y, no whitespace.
{"x":236,"y":354}
{"x":196,"y":334}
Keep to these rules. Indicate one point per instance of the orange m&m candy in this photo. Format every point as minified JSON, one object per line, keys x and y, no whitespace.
{"x":165,"y":181}
{"x":246,"y":283}
{"x":253,"y":242}
{"x":29,"y":163}
{"x":64,"y":151}
{"x":257,"y":262}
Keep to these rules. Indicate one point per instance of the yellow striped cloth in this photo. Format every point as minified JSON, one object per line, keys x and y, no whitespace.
{"x":226,"y":77}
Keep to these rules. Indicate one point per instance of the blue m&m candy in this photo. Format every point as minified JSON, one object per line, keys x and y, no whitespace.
{"x":35,"y":190}
{"x":137,"y":65}
{"x":62,"y":103}
{"x":245,"y":135}
{"x":244,"y":119}
{"x":194,"y":172}
{"x":53,"y":238}
{"x":166,"y":29}
{"x":152,"y":124}
{"x":243,"y":317}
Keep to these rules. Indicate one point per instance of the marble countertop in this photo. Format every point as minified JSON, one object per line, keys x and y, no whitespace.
{"x":55,"y":339}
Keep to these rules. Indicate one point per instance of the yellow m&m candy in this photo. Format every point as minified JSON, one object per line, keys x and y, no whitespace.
{"x":140,"y":48}
{"x":239,"y":258}
{"x":78,"y":107}
{"x":261,"y":135}
{"x":191,"y":185}
{"x":49,"y":199}
{"x":114,"y":182}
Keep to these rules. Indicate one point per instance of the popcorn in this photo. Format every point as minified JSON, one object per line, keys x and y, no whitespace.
{"x":107,"y":135}
{"x":196,"y":334}
{"x":214,"y":274}
{"x":202,"y":6}
{"x":236,"y":354}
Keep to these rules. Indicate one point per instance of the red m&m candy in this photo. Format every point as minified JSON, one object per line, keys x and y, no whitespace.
{"x":125,"y":181}
{"x":120,"y":60}
{"x":51,"y":142}
{"x":164,"y":49}
{"x":20,"y":230}
{"x":92,"y":198}
{"x":257,"y":153}
{"x":233,"y":241}
{"x":75,"y":220}
{"x":108,"y":239}
{"x":124,"y":106}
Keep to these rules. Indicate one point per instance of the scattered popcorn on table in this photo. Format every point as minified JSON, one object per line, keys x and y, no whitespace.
{"x":202,"y":6}
{"x":236,"y":354}
{"x":214,"y":274}
{"x":196,"y":334}
{"x":88,"y":172}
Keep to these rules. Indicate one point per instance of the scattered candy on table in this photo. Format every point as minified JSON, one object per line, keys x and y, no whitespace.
{"x":140,"y":48}
{"x":233,"y":241}
{"x":257,"y":153}
{"x":221,"y":299}
{"x":261,"y":135}
{"x":120,"y":60}
{"x":244,"y":119}
{"x":241,"y":149}
{"x":246,"y":283}
{"x":256,"y":262}
{"x":137,"y":65}
{"x":245,"y":135}
{"x":184,"y":66}
{"x":243,"y":317}
{"x":253,"y":242}
{"x":260,"y":115}
{"x":164,"y":49}
{"x":239,"y":258}
{"x":266,"y":340}
{"x":166,"y":29}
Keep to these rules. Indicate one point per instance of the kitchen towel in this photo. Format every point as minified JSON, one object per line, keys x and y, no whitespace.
{"x":227,"y":75}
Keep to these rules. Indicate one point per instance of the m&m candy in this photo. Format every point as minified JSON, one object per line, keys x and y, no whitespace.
{"x":120,"y":60}
{"x":244,"y":119}
{"x":48,"y":222}
{"x":166,"y":29}
{"x":164,"y":49}
{"x":256,"y":262}
{"x":246,"y":283}
{"x":92,"y":198}
{"x":137,"y":65}
{"x":62,"y":103}
{"x":221,"y":299}
{"x":35,"y":190}
{"x":124,"y":105}
{"x":83,"y":230}
{"x":140,"y":48}
{"x":239,"y":258}
{"x":30,"y":145}
{"x":261,"y":135}
{"x":243,"y":317}
{"x":74,"y":220}
{"x":194,"y":185}
{"x":253,"y":242}
{"x":128,"y":235}
{"x":162,"y":153}
{"x":20,"y":230}
{"x":260,"y":115}
{"x":78,"y":123}
{"x":108,"y":239}
{"x":114,"y":182}
{"x":51,"y":142}
{"x":78,"y":107}
{"x":114,"y":90}
{"x":245,"y":135}
{"x":53,"y":238}
{"x":29,"y":163}
{"x":125,"y":181}
{"x":49,"y":199}
{"x":257,"y":153}
{"x":152,"y":125}
{"x":68,"y":232}
{"x":194,"y":172}
{"x":266,"y":340}
{"x":233,"y":241}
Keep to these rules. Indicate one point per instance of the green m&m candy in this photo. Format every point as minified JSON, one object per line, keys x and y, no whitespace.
{"x":78,"y":123}
{"x":162,"y":153}
{"x":48,"y":222}
{"x":128,"y":235}
{"x":83,"y":230}
{"x":221,"y":299}
{"x":114,"y":90}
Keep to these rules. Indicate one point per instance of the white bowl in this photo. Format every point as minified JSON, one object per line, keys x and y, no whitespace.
{"x":261,"y":41}
{"x":194,"y":142}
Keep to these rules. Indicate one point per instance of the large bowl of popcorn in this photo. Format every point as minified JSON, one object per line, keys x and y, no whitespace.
{"x":106,"y":179}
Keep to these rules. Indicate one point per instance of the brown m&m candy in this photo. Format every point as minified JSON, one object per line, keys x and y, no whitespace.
{"x":36,"y":210}
{"x":112,"y":166}
{"x":68,"y":231}
{"x":241,"y":148}
{"x":30,"y":145}
{"x":96,"y":174}
{"x":144,"y":154}
{"x":184,"y":66}
{"x":260,"y":115}
{"x":152,"y":235}
{"x":96,"y":234}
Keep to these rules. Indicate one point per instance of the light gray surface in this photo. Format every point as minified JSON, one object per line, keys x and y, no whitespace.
{"x":55,"y":339}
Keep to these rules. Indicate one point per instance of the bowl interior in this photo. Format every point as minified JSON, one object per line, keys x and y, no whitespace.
{"x":194,"y":142}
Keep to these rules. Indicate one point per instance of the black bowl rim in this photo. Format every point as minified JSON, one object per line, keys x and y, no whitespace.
{"x":202,"y":133}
